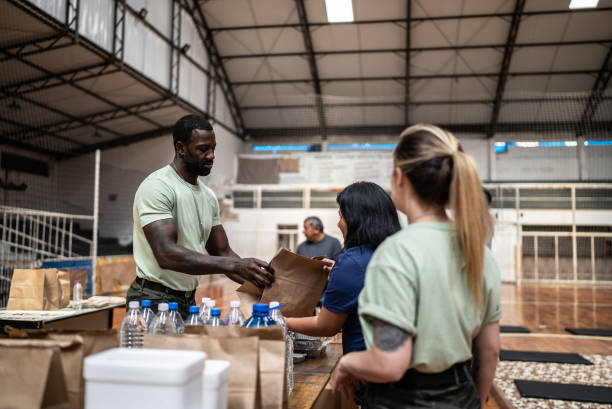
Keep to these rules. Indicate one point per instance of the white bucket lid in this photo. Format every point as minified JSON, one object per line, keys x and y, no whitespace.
{"x":144,"y":366}
{"x":216,"y":373}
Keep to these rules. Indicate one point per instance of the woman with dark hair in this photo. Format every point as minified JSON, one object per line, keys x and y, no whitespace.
{"x":431,"y":302}
{"x":367,"y":217}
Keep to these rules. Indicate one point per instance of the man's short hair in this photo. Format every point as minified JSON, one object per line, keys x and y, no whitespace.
{"x":315,"y":222}
{"x":185,"y":126}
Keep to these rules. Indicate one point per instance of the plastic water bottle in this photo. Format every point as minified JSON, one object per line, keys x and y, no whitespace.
{"x":205,"y":313}
{"x":133,"y":327}
{"x":235,"y":316}
{"x":194,"y":316}
{"x":260,"y":317}
{"x":77,"y":295}
{"x":176,"y":318}
{"x":147,"y":312}
{"x":162,"y":324}
{"x":215,"y":318}
{"x":204,"y":299}
{"x":277,"y":316}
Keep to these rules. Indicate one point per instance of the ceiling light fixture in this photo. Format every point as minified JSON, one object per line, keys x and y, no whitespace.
{"x":143,"y":13}
{"x":339,"y":11}
{"x":185,"y":48}
{"x":583,"y":4}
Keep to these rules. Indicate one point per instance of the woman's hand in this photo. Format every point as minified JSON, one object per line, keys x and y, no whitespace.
{"x":345,"y":383}
{"x":329,"y":264}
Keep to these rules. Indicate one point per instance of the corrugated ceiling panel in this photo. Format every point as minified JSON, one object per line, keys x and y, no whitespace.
{"x":262,"y":41}
{"x":345,"y":116}
{"x":480,"y":88}
{"x":315,"y":10}
{"x":375,"y":36}
{"x":458,"y":62}
{"x":532,"y":59}
{"x":519,"y":112}
{"x":271,"y":68}
{"x":14,"y":72}
{"x":48,"y":142}
{"x":379,"y":10}
{"x":542,"y":28}
{"x":433,"y":114}
{"x":255,"y":95}
{"x":129,"y":125}
{"x":71,"y":101}
{"x":343,"y":89}
{"x":459,"y":32}
{"x":442,"y":8}
{"x":299,"y":117}
{"x":13,"y":22}
{"x":383,"y":91}
{"x":558,"y":111}
{"x":383,"y":65}
{"x":471,"y":114}
{"x":228,"y":13}
{"x":342,"y":65}
{"x":87,"y":135}
{"x":166,"y":116}
{"x":336,"y":37}
{"x":294,"y":94}
{"x":385,"y":116}
{"x":262,"y":118}
{"x":583,"y":57}
{"x":525,"y":87}
{"x":120,"y":88}
{"x":590,"y":26}
{"x":604,"y":111}
{"x":65,"y":59}
{"x":26,"y":113}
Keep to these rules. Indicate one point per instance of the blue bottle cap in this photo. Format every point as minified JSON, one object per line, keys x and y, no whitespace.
{"x":261,"y":308}
{"x":215,"y":312}
{"x":173,"y":306}
{"x":145,"y":303}
{"x":194,"y":309}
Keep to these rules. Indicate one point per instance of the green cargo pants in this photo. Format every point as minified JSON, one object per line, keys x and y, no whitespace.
{"x":137,"y":292}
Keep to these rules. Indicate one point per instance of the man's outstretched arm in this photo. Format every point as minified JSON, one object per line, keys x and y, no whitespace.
{"x":162,"y":236}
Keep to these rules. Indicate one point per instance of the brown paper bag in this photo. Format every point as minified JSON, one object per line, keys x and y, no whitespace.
{"x":299,"y":282}
{"x":240,"y":352}
{"x":74,"y":347}
{"x":63,"y":279}
{"x":32,"y":376}
{"x":35,"y":289}
{"x":271,"y":379}
{"x":117,"y":276}
{"x":77,"y":274}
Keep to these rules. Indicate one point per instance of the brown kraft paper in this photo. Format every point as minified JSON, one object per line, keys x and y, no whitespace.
{"x":32,"y":377}
{"x":74,"y":346}
{"x":36,"y":289}
{"x":271,"y":379}
{"x":240,"y":352}
{"x":298,"y":284}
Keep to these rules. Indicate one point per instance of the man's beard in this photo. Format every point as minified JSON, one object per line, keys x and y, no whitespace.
{"x":195,"y":169}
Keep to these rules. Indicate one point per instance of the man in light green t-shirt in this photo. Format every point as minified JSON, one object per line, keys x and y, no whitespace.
{"x":176,"y":222}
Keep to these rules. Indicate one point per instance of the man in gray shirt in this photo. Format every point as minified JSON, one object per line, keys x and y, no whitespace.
{"x":318,"y":243}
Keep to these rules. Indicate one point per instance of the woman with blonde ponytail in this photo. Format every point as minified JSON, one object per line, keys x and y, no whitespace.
{"x":430,"y":306}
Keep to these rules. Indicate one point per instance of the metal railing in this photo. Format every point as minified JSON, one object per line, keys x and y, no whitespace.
{"x":29,"y":236}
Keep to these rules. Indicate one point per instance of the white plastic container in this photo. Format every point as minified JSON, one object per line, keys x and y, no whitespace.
{"x":215,"y":379}
{"x":123,"y":378}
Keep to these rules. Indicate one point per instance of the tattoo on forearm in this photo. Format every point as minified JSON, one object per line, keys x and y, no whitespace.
{"x":388,"y":337}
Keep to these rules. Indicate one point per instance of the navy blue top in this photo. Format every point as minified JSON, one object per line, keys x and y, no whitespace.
{"x":346,"y":281}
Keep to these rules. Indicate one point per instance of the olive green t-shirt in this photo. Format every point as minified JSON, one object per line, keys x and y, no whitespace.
{"x":416,"y":282}
{"x":194,"y":208}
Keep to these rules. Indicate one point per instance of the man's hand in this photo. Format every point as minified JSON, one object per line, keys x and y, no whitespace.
{"x":254,"y":270}
{"x":329,"y":264}
{"x":345,"y":382}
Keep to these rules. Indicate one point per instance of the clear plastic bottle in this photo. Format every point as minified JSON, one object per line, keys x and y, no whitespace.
{"x":277,"y":316}
{"x":235,"y":316}
{"x":204,"y":299}
{"x":77,"y":295}
{"x":194,"y":316}
{"x":147,"y":312}
{"x":205,"y":313}
{"x":260,"y":317}
{"x":162,"y":324}
{"x":215,"y":318}
{"x":176,"y":317}
{"x":133,"y":327}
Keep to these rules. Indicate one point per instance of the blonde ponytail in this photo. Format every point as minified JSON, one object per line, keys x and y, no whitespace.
{"x":473,"y":222}
{"x":441,"y":173}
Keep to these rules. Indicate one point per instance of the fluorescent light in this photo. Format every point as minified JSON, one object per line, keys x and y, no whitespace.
{"x":339,"y":11}
{"x":583,"y":4}
{"x":274,"y":148}
{"x":362,"y":146}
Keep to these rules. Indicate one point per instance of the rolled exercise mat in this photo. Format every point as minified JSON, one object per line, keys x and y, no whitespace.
{"x":591,"y":331}
{"x":549,"y":357}
{"x":513,"y":328}
{"x":564,"y":391}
